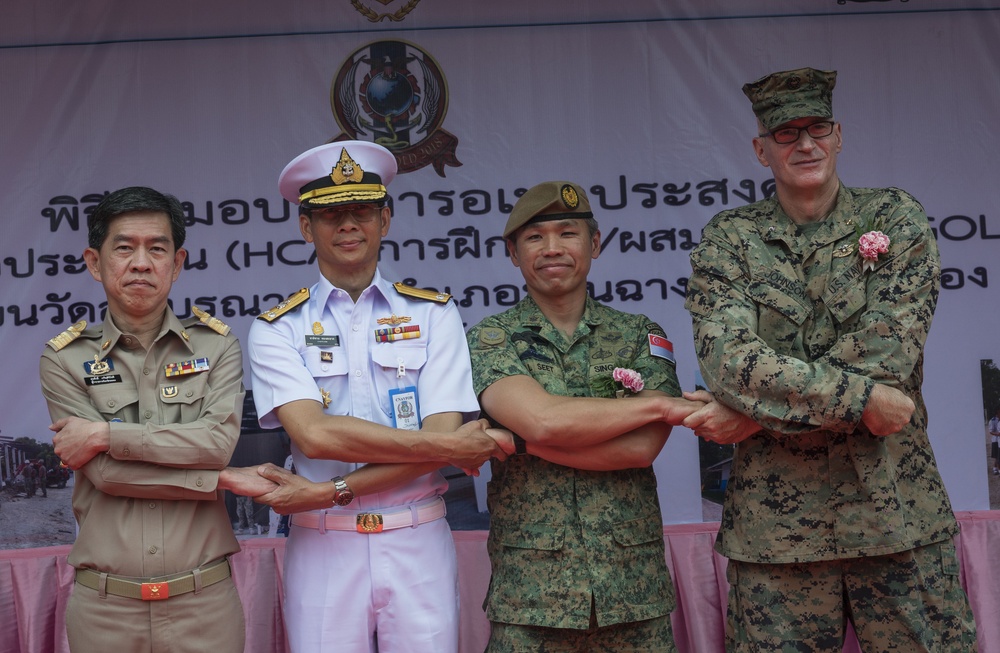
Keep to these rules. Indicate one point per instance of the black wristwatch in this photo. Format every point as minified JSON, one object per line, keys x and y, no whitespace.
{"x":342,"y":493}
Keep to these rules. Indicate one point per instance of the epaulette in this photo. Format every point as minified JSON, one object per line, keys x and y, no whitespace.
{"x":68,"y":336}
{"x":293,"y":300}
{"x":421,"y":293}
{"x":213,"y":323}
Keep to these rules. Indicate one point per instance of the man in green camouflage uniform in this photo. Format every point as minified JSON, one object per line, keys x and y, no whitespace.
{"x":576,"y":537}
{"x":812,"y":328}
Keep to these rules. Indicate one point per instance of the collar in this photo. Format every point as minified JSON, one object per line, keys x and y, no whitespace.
{"x":777,"y":226}
{"x":111,"y":334}
{"x":378,"y":285}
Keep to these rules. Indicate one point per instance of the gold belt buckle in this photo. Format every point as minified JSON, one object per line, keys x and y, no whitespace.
{"x":369,"y":522}
{"x":155,"y":591}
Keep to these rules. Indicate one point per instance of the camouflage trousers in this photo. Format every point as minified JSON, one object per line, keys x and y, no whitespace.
{"x":649,"y":636}
{"x":910,"y":601}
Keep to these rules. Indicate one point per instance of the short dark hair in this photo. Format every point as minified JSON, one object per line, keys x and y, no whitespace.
{"x":134,"y":199}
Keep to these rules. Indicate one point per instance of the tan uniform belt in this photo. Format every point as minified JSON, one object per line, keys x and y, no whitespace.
{"x":372,"y":522}
{"x":154,"y":589}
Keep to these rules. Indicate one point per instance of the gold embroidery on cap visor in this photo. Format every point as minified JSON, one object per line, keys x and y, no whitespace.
{"x":353,"y":193}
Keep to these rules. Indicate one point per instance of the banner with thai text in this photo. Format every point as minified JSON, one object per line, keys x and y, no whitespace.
{"x":641,"y":106}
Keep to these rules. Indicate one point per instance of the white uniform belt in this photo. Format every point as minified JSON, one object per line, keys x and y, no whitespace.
{"x":154,"y":589}
{"x":368,"y":522}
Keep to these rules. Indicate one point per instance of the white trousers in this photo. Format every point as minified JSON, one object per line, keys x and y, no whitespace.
{"x":341,"y":587}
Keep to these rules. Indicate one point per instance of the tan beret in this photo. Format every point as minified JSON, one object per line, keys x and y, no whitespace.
{"x":550,"y":200}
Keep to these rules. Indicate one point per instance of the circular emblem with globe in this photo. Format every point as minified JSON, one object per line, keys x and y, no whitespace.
{"x":393,"y":93}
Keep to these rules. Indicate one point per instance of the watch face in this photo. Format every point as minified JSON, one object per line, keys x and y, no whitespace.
{"x":343,"y":497}
{"x":343,"y":494}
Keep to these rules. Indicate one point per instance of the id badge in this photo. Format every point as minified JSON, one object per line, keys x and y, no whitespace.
{"x":405,"y":408}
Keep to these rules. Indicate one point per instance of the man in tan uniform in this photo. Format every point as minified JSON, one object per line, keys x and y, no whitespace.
{"x":146,"y":409}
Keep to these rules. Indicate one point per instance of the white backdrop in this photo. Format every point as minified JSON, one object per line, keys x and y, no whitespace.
{"x":639,"y":102}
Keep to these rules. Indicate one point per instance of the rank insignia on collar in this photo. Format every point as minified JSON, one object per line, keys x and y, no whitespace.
{"x":388,"y":334}
{"x":97,"y":366}
{"x":186,"y":367}
{"x":168,"y":391}
{"x":394,"y":319}
{"x":325,"y":394}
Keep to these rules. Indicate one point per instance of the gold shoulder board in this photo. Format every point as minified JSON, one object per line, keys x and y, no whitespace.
{"x":293,"y":300}
{"x":213,"y":323}
{"x":421,"y":293}
{"x":68,"y":336}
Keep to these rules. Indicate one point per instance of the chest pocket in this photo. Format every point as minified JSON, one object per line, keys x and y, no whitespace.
{"x":185,"y":392}
{"x":849,"y":301}
{"x":321,"y":369}
{"x":387,"y":358}
{"x":113,"y":398}
{"x":771,"y":300}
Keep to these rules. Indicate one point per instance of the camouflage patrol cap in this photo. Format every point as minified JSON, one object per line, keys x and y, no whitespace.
{"x":549,"y":200}
{"x":779,"y":98}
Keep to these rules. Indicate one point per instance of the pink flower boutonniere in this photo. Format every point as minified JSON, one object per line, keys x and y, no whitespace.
{"x":870,"y":245}
{"x":871,"y":242}
{"x":622,"y":383}
{"x":630,"y":380}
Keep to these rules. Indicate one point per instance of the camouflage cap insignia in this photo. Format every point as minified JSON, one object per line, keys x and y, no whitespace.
{"x":213,"y":323}
{"x":293,"y":301}
{"x":421,"y":293}
{"x":67,"y":336}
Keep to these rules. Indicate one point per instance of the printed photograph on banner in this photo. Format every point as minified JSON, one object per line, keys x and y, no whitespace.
{"x":991,"y":422}
{"x":35,"y":493}
{"x":716,"y":462}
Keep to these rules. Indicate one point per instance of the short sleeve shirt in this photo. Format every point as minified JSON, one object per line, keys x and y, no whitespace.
{"x":330,"y":347}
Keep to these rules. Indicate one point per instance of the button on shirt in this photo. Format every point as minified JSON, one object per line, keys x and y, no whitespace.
{"x":358,"y":372}
{"x":150,"y":507}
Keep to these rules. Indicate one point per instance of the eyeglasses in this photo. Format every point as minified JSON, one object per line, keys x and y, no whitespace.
{"x":789,"y":135}
{"x":362,"y":213}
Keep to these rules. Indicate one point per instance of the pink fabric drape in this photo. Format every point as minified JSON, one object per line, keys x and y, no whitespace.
{"x":35,"y":585}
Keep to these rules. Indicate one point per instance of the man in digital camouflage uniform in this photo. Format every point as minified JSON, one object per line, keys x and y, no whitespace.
{"x":576,"y":537}
{"x":813,"y":329}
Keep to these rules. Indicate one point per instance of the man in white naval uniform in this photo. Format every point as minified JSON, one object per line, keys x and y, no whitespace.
{"x":360,"y":370}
